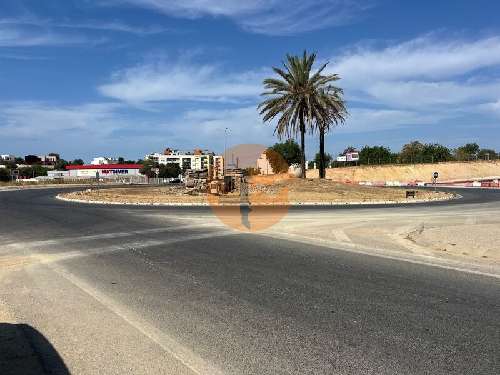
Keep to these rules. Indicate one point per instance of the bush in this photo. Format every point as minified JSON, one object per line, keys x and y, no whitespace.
{"x":276,"y":160}
{"x":4,"y":174}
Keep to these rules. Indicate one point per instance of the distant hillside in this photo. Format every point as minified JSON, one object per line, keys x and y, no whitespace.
{"x":422,"y":172}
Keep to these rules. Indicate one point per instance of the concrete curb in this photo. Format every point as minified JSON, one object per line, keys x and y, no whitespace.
{"x":39,"y":187}
{"x":290,"y":204}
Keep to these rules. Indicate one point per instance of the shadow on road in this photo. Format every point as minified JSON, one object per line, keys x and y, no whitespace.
{"x":24,"y":350}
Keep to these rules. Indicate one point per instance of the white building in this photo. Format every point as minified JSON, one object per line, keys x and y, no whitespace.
{"x":218,"y":167}
{"x":103,"y":160}
{"x":198,"y":160}
{"x":350,"y":156}
{"x":7,"y":157}
{"x":48,"y":159}
{"x":104,"y":170}
{"x":57,"y":174}
{"x":264,"y":165}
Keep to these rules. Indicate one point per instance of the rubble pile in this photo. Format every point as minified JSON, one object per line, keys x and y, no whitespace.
{"x":196,"y":181}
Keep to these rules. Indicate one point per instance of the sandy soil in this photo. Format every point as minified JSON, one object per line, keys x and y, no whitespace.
{"x":422,"y":172}
{"x":475,"y":240}
{"x":262,"y":190}
{"x":447,"y":233}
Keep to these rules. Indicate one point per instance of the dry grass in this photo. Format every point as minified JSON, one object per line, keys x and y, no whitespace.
{"x":279,"y":189}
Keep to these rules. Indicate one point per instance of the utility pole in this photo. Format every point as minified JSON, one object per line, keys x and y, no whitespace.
{"x":226,"y":131}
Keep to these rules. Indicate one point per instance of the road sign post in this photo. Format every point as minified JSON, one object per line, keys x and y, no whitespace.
{"x":14,"y":173}
{"x":434,"y":179}
{"x":97,"y":181}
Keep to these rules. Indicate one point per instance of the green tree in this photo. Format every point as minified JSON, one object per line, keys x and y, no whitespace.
{"x":8,"y":164}
{"x":411,"y":152}
{"x":289,"y":150}
{"x":32,"y":171}
{"x":375,"y":155}
{"x":77,"y":162}
{"x":327,"y":159}
{"x":299,"y":97}
{"x":330,"y":111}
{"x":348,"y":150}
{"x":60,"y":165}
{"x":434,"y":152}
{"x":487,"y":154}
{"x":417,"y":152}
{"x":4,"y":174}
{"x":467,"y":152}
{"x":169,"y":170}
{"x":147,"y":168}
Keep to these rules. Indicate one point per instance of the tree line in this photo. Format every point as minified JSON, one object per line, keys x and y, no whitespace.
{"x":284,"y":154}
{"x":418,"y":152}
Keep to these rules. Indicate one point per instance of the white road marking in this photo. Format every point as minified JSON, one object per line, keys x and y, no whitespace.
{"x":185,"y":356}
{"x":341,"y":235}
{"x":69,"y":240}
{"x":128,"y":246}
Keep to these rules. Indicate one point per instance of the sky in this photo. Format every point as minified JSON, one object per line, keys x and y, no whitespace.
{"x":89,"y":78}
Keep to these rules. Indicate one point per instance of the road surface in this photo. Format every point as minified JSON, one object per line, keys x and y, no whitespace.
{"x":118,"y":290}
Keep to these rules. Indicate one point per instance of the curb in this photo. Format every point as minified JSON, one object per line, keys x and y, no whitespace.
{"x":290,"y":204}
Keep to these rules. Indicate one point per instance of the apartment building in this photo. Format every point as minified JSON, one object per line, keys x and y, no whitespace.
{"x":196,"y":160}
{"x":103,"y":160}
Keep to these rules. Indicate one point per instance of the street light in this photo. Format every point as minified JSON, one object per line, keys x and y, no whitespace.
{"x":226,"y":131}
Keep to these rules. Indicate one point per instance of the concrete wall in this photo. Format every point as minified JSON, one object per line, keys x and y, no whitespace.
{"x":423,"y":172}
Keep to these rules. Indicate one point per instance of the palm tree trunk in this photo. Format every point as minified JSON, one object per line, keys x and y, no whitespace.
{"x":302,"y":148}
{"x":321,"y":152}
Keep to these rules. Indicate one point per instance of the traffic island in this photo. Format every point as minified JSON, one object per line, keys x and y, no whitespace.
{"x":261,"y":190}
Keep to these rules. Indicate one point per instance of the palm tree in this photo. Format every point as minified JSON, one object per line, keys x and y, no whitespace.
{"x":332,"y":112}
{"x":301,"y":99}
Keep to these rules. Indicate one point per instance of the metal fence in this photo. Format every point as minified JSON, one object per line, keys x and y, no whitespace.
{"x":396,"y":160}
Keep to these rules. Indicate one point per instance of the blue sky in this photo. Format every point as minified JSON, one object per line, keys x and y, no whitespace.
{"x":128,"y":77}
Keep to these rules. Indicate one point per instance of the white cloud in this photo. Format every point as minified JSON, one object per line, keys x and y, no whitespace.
{"x":424,"y":58}
{"x":373,"y":119}
{"x":181,"y":81}
{"x":451,"y":86}
{"x":34,"y":119}
{"x":198,"y":8}
{"x":244,"y":123}
{"x":84,"y":131}
{"x":422,"y":94}
{"x":490,"y":108}
{"x":47,"y":24}
{"x":424,"y":73}
{"x":276,"y":17}
{"x":18,"y":37}
{"x":32,"y":31}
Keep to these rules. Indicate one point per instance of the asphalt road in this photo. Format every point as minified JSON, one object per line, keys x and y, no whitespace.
{"x":120,"y":290}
